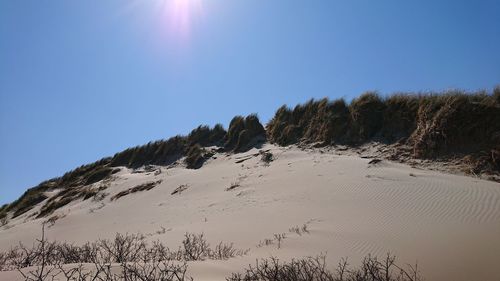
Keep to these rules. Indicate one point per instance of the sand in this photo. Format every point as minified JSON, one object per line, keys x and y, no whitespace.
{"x":449,"y":224}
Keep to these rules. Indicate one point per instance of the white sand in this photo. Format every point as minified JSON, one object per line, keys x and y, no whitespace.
{"x":450,"y":224}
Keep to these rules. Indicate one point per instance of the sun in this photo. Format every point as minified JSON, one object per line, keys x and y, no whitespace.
{"x":182,"y":14}
{"x":175,"y":19}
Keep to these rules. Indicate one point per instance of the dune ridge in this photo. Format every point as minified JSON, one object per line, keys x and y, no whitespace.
{"x":374,"y":176}
{"x":449,"y":223}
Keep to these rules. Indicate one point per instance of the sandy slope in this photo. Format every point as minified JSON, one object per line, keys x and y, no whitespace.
{"x":450,"y":224}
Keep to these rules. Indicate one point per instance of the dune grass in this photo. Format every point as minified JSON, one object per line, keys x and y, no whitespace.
{"x":195,"y":157}
{"x":434,"y":125}
{"x":75,"y":184}
{"x":242,"y":132}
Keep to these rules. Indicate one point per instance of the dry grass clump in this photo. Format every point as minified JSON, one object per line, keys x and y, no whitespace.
{"x":26,"y":202}
{"x":204,"y":136}
{"x":3,"y":215}
{"x":299,"y":229}
{"x":315,"y":269}
{"x":68,"y":195}
{"x":195,"y":157}
{"x":456,"y":122}
{"x":161,"y":152}
{"x":315,"y":121}
{"x":217,"y":135}
{"x":233,"y":186}
{"x":165,"y":152}
{"x":367,"y":115}
{"x":331,"y":123}
{"x":53,"y":205}
{"x":142,"y":187}
{"x":179,"y":189}
{"x":195,"y":247}
{"x":70,"y":183}
{"x":99,"y":174}
{"x":435,"y":125}
{"x":281,"y":128}
{"x":243,"y":132}
{"x":400,"y":116}
{"x":267,"y":157}
{"x":496,"y":94}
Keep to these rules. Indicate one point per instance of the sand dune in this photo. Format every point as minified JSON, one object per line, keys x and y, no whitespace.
{"x":450,"y":224}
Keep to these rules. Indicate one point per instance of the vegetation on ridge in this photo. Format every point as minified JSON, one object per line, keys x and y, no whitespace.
{"x":433,"y":125}
{"x":74,"y":184}
{"x":448,"y":124}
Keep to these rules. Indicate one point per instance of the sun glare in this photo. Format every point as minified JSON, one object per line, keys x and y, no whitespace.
{"x":177,"y":17}
{"x":181,"y":15}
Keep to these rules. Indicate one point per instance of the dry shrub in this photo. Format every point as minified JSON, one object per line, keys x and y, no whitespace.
{"x":134,"y":261}
{"x":315,"y":269}
{"x":154,"y":271}
{"x":124,"y":248}
{"x":195,"y":247}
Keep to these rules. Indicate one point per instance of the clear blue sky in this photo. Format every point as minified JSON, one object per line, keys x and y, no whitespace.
{"x":83,"y":79}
